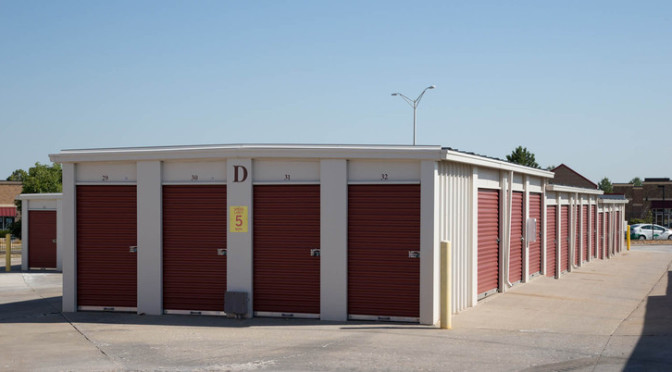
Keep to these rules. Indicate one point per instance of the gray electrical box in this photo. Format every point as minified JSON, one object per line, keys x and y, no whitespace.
{"x":235,"y":303}
{"x":531,"y":230}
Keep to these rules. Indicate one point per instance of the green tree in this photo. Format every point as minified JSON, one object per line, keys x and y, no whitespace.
{"x":523,"y":157}
{"x":550,"y":168}
{"x":605,"y":185}
{"x":41,"y":178}
{"x":636,"y":181}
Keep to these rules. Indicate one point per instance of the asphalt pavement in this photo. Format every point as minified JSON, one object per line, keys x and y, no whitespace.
{"x":608,"y":315}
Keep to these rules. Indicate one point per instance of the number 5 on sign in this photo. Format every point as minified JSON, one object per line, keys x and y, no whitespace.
{"x":238,"y":219}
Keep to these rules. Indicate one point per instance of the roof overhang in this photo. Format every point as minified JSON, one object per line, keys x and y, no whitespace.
{"x":612,"y":201}
{"x":248,"y":151}
{"x":44,"y":196}
{"x":483,"y":161}
{"x":573,"y":190}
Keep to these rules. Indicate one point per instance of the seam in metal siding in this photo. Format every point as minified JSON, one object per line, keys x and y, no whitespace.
{"x":488,"y":240}
{"x":106,"y":228}
{"x":383,"y":226}
{"x":516,"y":244}
{"x":535,"y":247}
{"x":286,"y":228}
{"x":564,"y":238}
{"x":42,"y":239}
{"x":455,"y":226}
{"x":194,"y":227}
{"x":551,"y":240}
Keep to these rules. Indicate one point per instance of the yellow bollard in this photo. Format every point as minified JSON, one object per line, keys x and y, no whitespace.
{"x":628,"y":237}
{"x":8,"y":253}
{"x":446,"y":311}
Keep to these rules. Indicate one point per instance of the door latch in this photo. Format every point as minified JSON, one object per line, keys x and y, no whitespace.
{"x":314,"y":253}
{"x":221,"y":251}
{"x":133,"y":249}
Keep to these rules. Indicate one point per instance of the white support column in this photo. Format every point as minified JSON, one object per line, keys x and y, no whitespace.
{"x":69,"y":230}
{"x":334,"y":240}
{"x":25,"y":247}
{"x":544,"y":228}
{"x":239,"y":264}
{"x":429,"y":242}
{"x":474,"y":237}
{"x":59,"y":234}
{"x":504,"y":242}
{"x":581,"y":248}
{"x":526,"y":216}
{"x":558,"y":237}
{"x":150,"y":238}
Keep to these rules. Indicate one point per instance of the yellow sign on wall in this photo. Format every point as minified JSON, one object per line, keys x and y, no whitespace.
{"x":238,"y":219}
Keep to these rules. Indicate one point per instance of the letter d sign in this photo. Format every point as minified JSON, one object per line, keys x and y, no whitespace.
{"x":239,"y":173}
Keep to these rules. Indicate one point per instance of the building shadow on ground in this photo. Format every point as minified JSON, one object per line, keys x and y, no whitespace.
{"x":47,"y":310}
{"x":653,"y":351}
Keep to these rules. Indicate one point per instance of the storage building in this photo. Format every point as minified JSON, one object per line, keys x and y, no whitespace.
{"x":333,"y":232}
{"x":41,"y":244}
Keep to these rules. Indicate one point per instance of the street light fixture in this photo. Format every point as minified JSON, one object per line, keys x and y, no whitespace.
{"x":414,"y":103}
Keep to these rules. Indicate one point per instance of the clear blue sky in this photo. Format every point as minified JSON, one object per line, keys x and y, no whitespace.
{"x":585,"y":83}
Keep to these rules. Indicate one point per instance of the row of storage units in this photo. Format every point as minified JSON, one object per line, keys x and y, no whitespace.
{"x":329,"y":232}
{"x":41,"y":243}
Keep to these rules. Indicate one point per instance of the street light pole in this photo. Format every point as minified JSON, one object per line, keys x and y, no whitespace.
{"x":414,"y":103}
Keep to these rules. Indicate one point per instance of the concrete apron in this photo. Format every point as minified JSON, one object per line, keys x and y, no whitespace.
{"x":591,"y":319}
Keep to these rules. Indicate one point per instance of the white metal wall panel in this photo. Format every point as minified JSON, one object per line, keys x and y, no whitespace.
{"x":194,"y":172}
{"x":40,"y":204}
{"x":383,"y":171}
{"x":488,"y":179}
{"x":106,"y":172}
{"x":518,"y":182}
{"x":286,"y":171}
{"x":535,"y":184}
{"x":456,"y":226}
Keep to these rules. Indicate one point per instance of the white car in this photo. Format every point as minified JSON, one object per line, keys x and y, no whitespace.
{"x":649,"y":231}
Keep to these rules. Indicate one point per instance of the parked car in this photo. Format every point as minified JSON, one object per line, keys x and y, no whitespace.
{"x":645,"y":231}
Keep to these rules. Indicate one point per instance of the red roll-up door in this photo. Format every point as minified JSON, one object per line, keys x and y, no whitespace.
{"x":600,"y":238}
{"x":106,"y":229}
{"x":564,"y":238}
{"x":535,"y":246}
{"x":194,"y":229}
{"x":551,"y":240}
{"x":286,"y":229}
{"x":585,"y":233}
{"x":42,"y":239}
{"x":516,"y":244}
{"x":488,"y":240}
{"x":593,"y":212}
{"x":383,"y":230}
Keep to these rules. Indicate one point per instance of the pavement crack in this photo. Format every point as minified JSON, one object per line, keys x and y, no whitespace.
{"x":58,"y":311}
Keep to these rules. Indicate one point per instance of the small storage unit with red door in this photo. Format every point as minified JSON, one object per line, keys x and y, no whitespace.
{"x":334,"y":232}
{"x":41,"y":238}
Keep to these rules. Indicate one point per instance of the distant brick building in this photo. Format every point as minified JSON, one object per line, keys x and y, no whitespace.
{"x":566,"y":176}
{"x":654,"y":195}
{"x":9,"y":190}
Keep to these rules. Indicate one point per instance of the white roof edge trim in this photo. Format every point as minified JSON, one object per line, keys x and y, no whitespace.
{"x":572,"y":189}
{"x":478,"y":160}
{"x":253,"y":151}
{"x":44,"y":196}
{"x":613,"y":201}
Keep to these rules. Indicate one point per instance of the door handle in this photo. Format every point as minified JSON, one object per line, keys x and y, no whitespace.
{"x":133,"y":249}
